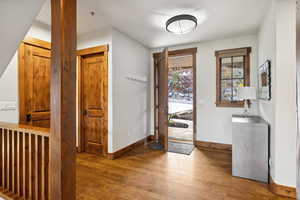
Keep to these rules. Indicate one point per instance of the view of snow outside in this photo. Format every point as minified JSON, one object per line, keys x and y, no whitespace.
{"x":180,"y":90}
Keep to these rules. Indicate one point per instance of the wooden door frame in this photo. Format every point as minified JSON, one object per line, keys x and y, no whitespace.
{"x":80,"y":54}
{"x":180,"y":52}
{"x":21,"y":71}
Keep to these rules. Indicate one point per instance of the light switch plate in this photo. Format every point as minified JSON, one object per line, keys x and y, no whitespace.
{"x":8,"y":105}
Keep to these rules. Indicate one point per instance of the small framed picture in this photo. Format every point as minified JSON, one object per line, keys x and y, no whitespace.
{"x":264,"y":81}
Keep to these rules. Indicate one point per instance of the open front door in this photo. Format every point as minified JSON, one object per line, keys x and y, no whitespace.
{"x":162,"y":118}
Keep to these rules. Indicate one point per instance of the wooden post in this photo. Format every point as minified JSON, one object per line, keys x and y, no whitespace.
{"x":63,"y":101}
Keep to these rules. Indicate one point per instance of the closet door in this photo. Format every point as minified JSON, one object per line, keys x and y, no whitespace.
{"x":34,"y":83}
{"x":94,"y":102}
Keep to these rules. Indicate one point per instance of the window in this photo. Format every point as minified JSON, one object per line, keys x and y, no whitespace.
{"x":233,"y":71}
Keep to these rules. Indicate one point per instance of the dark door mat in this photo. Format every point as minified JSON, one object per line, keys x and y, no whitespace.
{"x":181,"y":148}
{"x":156,"y":146}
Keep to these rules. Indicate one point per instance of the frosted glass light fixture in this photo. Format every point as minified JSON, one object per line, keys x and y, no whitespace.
{"x":181,"y":24}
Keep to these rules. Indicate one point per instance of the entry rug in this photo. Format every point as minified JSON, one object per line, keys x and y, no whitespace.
{"x":181,"y":148}
{"x":156,"y":146}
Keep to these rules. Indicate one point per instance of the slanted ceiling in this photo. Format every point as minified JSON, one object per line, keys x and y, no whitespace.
{"x":16,"y":17}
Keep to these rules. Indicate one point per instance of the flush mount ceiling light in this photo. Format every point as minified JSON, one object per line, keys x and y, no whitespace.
{"x":181,"y":24}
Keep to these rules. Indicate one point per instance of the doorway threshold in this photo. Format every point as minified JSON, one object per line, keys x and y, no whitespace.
{"x":172,"y":139}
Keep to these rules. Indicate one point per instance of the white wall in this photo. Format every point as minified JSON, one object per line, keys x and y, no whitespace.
{"x":266,"y":49}
{"x":214,"y":123}
{"x":9,"y":91}
{"x":9,"y":79}
{"x":100,"y":37}
{"x":97,"y":38}
{"x":277,"y":42}
{"x":130,"y":99}
{"x":285,"y":99}
{"x":40,"y":31}
{"x":127,"y":100}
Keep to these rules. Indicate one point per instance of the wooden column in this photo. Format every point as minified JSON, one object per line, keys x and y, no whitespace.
{"x":63,"y":98}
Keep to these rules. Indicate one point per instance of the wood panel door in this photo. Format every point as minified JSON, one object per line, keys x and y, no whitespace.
{"x":34,"y":84}
{"x":94,"y":102}
{"x":162,"y":71}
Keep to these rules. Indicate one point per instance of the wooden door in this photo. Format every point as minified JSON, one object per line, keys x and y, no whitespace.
{"x":94,"y":102}
{"x":34,"y":84}
{"x":162,"y":72}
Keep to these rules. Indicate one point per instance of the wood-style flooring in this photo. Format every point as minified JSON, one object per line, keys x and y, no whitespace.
{"x":144,"y":174}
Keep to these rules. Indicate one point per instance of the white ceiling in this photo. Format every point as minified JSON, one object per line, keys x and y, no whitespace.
{"x":144,"y":20}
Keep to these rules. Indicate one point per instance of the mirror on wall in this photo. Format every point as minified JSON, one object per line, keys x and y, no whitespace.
{"x":264,"y":81}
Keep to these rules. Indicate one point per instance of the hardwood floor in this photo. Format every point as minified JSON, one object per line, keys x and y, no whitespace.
{"x":143,"y":174}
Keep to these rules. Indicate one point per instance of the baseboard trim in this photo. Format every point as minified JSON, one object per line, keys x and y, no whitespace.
{"x":281,"y":190}
{"x":124,"y":150}
{"x":212,"y":146}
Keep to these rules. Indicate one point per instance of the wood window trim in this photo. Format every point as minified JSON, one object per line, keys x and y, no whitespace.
{"x":231,"y":53}
{"x":80,"y":54}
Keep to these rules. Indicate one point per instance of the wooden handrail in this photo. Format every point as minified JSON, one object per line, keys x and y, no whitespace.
{"x":26,"y":128}
{"x":24,"y":161}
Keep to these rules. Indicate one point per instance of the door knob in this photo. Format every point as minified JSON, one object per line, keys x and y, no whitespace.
{"x":28,"y":117}
{"x":85,"y":112}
